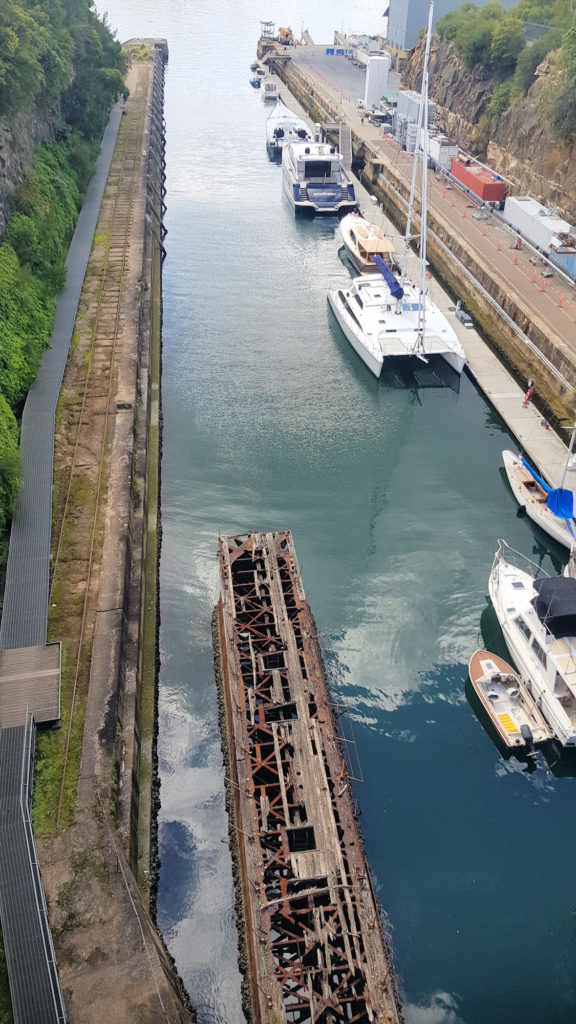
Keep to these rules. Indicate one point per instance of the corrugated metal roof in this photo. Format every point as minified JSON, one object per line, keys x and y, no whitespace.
{"x":30,"y":680}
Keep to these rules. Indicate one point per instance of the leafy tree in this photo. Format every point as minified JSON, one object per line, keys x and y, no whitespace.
{"x":472,"y":30}
{"x":508,"y":42}
{"x":501,"y":97}
{"x":557,"y":13}
{"x":531,"y":57}
{"x":9,"y":463}
{"x":50,"y":50}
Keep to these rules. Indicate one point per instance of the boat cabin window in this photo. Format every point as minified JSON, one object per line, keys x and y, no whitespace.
{"x":539,"y":652}
{"x":318,"y":169}
{"x":523,"y":627}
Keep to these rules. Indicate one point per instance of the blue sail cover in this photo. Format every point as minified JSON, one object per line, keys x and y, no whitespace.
{"x":560,"y":503}
{"x":559,"y":500}
{"x":396,"y":289}
{"x":545,"y":487}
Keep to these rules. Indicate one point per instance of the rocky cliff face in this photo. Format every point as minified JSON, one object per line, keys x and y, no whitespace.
{"x":518,"y":145}
{"x":461,"y":96}
{"x":19,"y":138}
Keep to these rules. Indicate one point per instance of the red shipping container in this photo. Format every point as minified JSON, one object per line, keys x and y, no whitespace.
{"x":482,"y":183}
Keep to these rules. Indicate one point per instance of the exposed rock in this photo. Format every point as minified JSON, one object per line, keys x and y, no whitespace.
{"x":19,"y":138}
{"x":519,"y":145}
{"x":461,"y":96}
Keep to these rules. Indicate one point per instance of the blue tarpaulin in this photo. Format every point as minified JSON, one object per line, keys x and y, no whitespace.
{"x":560,"y":503}
{"x":396,"y":289}
{"x":545,"y":487}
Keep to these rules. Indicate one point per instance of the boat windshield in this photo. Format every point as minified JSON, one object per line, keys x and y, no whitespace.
{"x":318,"y":169}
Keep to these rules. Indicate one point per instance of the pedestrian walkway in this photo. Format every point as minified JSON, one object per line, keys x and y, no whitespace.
{"x":25,"y":608}
{"x":30,"y":678}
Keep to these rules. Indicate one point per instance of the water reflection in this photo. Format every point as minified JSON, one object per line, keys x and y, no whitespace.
{"x":442,"y":1008}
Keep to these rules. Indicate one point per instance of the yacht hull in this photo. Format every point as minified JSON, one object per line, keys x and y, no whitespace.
{"x":506,"y":701}
{"x":532,"y":498}
{"x":504,"y":585}
{"x":374,"y":355}
{"x":372,"y":362}
{"x":306,"y":207}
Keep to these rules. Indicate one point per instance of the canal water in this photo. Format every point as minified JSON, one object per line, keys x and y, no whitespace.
{"x":395,"y":497}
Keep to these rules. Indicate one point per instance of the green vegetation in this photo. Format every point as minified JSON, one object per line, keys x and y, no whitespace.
{"x":52,"y":52}
{"x":494,"y":38}
{"x":486,"y":35}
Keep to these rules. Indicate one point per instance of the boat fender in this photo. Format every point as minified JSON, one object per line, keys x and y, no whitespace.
{"x":521,"y":511}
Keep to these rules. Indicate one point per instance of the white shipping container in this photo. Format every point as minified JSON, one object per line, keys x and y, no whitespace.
{"x":533,"y":221}
{"x":442,"y":151}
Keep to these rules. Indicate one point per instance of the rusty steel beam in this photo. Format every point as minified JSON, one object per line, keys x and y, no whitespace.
{"x":315,"y":946}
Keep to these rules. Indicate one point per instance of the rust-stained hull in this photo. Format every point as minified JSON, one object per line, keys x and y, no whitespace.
{"x":314,"y":941}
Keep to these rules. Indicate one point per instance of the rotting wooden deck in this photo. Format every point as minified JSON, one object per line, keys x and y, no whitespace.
{"x":314,"y":940}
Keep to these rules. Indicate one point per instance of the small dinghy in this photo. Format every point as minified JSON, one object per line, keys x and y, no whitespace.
{"x":513,"y":712}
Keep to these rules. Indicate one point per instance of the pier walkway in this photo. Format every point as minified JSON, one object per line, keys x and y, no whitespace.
{"x":313,"y":932}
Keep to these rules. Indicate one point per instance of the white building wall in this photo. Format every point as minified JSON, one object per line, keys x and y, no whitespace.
{"x":376,"y":79}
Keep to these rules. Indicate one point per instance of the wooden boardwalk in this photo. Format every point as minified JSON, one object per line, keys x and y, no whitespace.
{"x":314,"y":941}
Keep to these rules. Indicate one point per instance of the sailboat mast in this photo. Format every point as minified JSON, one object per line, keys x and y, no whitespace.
{"x":424,"y":182}
{"x":422,"y":123}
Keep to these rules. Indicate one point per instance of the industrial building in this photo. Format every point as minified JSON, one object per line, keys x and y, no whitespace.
{"x":407,"y":17}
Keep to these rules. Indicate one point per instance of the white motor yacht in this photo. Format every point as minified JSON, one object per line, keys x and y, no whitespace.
{"x":314,"y":179}
{"x":269,"y":89}
{"x":382,"y":320}
{"x":284,"y":126}
{"x":364,"y":240}
{"x":537,"y":615}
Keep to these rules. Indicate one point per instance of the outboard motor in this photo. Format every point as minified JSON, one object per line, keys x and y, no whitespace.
{"x":527,"y":736}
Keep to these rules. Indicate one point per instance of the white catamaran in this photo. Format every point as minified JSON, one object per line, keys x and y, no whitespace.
{"x":387,"y":316}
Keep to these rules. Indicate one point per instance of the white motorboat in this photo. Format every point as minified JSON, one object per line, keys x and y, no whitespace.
{"x":537,"y":615}
{"x":551,"y":508}
{"x":363,"y":240}
{"x":510,"y":707}
{"x":382,"y":320}
{"x":284,"y":126}
{"x":269,"y":88}
{"x":390,"y":316}
{"x":314,"y":179}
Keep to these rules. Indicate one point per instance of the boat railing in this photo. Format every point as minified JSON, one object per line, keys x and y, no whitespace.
{"x":506,"y":553}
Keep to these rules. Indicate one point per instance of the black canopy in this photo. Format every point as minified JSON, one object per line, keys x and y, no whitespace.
{"x":555,"y":604}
